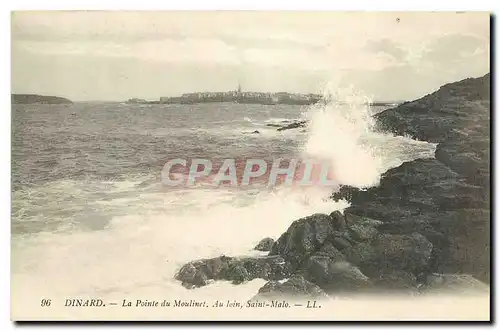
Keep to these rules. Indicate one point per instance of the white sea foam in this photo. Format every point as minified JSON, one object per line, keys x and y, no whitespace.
{"x":138,"y":254}
{"x":151,"y":232}
{"x":342,"y":131}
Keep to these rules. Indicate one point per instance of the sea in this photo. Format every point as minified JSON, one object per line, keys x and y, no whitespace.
{"x":91,"y":217}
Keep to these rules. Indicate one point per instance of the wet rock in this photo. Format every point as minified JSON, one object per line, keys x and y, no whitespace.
{"x":191,"y":276}
{"x":238,"y":270}
{"x":236,"y":273}
{"x":335,"y":276}
{"x":297,"y":286}
{"x":304,"y":237}
{"x":265,"y":244}
{"x":294,"y":125}
{"x":267,"y":267}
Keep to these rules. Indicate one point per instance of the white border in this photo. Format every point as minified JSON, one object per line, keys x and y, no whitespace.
{"x":5,"y":141}
{"x":351,"y":5}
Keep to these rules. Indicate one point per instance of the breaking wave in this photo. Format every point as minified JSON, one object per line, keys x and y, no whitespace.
{"x":146,"y":232}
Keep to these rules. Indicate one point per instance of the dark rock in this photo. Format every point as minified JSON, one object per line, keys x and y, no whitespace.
{"x":304,"y":237}
{"x":426,"y":216}
{"x":352,"y":219}
{"x":446,"y":199}
{"x":237,"y":273}
{"x":416,"y":173}
{"x":237,"y":270}
{"x":362,"y":232}
{"x":256,"y":131}
{"x":296,"y":287}
{"x":413,"y":187}
{"x":391,"y":252}
{"x":384,"y":209}
{"x":361,"y":254}
{"x":451,"y":213}
{"x":340,"y":242}
{"x":409,"y":253}
{"x":265,"y":244}
{"x":331,"y":251}
{"x":338,"y":221}
{"x":469,"y":157}
{"x":267,"y":267}
{"x":335,"y":276}
{"x":191,"y":276}
{"x":294,"y":125}
{"x":460,"y":239}
{"x":460,"y":105}
{"x":465,"y":248}
{"x":316,"y":265}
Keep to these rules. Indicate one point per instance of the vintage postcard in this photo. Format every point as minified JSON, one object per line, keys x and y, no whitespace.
{"x":250,"y":166}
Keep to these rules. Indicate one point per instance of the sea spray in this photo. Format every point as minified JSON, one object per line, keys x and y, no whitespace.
{"x":127,"y":239}
{"x":339,"y":130}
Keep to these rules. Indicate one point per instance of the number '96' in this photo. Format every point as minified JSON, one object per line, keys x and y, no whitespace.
{"x":45,"y":303}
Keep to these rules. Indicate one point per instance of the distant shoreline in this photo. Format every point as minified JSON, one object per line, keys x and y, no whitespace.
{"x":38,"y":99}
{"x":197,"y":98}
{"x":262,"y":98}
{"x":375,"y":104}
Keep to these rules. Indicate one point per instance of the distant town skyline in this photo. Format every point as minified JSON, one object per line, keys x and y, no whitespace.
{"x":113,"y":56}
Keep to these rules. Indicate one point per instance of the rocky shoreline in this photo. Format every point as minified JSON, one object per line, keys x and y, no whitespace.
{"x":425,"y":228}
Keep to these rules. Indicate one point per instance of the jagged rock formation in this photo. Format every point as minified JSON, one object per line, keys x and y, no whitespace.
{"x":425,"y":227}
{"x":297,"y":286}
{"x":446,"y":199}
{"x":238,"y":270}
{"x":265,"y":244}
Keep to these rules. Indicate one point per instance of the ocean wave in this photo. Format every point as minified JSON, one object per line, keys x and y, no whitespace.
{"x":342,"y":131}
{"x":130,"y":237}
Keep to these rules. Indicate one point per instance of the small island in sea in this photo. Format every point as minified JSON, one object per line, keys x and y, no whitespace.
{"x":38,"y":99}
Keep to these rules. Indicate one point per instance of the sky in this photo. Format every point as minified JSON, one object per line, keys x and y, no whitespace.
{"x":114,"y":55}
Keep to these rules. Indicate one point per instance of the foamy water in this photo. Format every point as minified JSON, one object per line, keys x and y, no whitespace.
{"x":126,"y":238}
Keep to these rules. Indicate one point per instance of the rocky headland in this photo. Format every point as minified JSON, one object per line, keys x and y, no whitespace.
{"x":424,"y":228}
{"x":38,"y":99}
